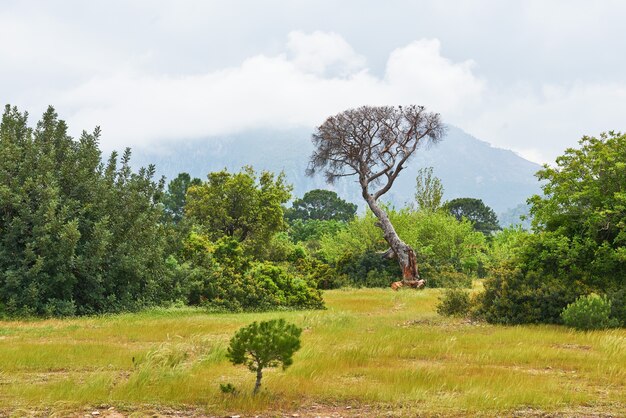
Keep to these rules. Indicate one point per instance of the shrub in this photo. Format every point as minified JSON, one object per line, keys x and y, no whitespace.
{"x":447,"y":278}
{"x":589,"y":312}
{"x":264,"y":344}
{"x":512,"y":297}
{"x":220,"y":276}
{"x":454,"y":302}
{"x":368,"y":269}
{"x":320,"y":273}
{"x":618,"y":305}
{"x":228,"y":389}
{"x":78,"y":235}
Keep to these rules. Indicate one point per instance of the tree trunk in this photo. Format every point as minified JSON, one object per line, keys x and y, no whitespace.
{"x":257,"y":385}
{"x":405,"y":254}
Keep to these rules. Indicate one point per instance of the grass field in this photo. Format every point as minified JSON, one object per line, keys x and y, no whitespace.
{"x":372,"y":353}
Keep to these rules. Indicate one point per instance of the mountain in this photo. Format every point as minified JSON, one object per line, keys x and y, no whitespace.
{"x":466,"y":166}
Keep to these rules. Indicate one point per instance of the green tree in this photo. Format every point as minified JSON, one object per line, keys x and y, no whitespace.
{"x":321,"y":205}
{"x":579,"y":244}
{"x":264,"y":344}
{"x":175,"y":197}
{"x":428,"y":190}
{"x":241,"y":205}
{"x":480,"y":215}
{"x":76,"y":236}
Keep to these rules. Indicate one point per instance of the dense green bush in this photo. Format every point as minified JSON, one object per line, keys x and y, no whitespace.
{"x":579,"y":244}
{"x":320,"y":273}
{"x":514,"y":297}
{"x":77,"y":236}
{"x":454,"y":302}
{"x":589,"y":312}
{"x":368,"y":269}
{"x":618,"y":305}
{"x":221,"y":276}
{"x":447,"y":278}
{"x":448,"y":251}
{"x":312,"y":230}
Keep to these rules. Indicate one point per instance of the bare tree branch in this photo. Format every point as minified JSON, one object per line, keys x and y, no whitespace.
{"x":375,"y":143}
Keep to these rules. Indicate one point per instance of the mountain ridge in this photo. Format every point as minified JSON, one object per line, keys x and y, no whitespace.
{"x":467,"y":166}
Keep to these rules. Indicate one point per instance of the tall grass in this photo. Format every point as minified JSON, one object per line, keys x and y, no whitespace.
{"x":385,"y":349}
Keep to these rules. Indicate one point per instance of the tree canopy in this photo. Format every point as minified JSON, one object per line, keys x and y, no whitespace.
{"x":482,"y":216}
{"x":428,"y":190}
{"x":241,"y":205}
{"x":175,"y":196}
{"x":579,"y":244}
{"x":76,"y":236}
{"x":264,"y":344}
{"x":321,"y":205}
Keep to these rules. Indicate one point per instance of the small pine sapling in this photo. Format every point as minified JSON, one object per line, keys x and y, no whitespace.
{"x":264,"y":344}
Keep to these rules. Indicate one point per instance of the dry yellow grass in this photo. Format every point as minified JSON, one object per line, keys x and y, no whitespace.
{"x":377,"y":351}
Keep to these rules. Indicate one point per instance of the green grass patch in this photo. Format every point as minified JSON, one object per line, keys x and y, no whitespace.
{"x":374,"y":350}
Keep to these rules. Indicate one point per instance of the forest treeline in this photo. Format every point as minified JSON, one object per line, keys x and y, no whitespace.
{"x":81,"y":233}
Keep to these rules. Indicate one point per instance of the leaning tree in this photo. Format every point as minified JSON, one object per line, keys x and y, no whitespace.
{"x":375,"y":144}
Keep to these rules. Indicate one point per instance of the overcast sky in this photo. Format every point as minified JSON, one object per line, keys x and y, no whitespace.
{"x":532,"y":76}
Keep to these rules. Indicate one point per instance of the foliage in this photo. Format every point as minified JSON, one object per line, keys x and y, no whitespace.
{"x":506,"y":244}
{"x":228,"y":389}
{"x":281,"y":249}
{"x":221,"y":276}
{"x":264,"y":344}
{"x":480,"y":215}
{"x":618,"y":305}
{"x":443,"y":241}
{"x":241,"y":205}
{"x":445,"y":277}
{"x":589,"y":312}
{"x":428,"y":190}
{"x":369,"y":269}
{"x":321,"y":205}
{"x":175,"y":196}
{"x":76,"y":236}
{"x":322,"y":274}
{"x":454,"y":302}
{"x":585,"y":193}
{"x":447,"y":249}
{"x":514,"y":297}
{"x":311,"y":231}
{"x":359,"y":236}
{"x":578,"y":245}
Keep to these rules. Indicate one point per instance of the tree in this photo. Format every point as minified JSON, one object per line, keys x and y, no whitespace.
{"x":374,"y":144}
{"x":482,"y":216}
{"x":579,"y":240}
{"x":428,"y":191}
{"x":76,"y":236}
{"x":321,"y":205}
{"x":175,"y":197}
{"x":264,"y":344}
{"x":240,"y":205}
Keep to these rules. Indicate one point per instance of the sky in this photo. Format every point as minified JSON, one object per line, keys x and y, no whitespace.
{"x":531,"y":76}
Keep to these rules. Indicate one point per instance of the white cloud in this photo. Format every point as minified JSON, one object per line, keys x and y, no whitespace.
{"x":420,"y":69}
{"x":323,"y":53}
{"x":320,"y":75}
{"x":535,"y":124}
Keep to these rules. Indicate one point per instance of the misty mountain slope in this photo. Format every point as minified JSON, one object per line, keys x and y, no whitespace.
{"x":467,"y":166}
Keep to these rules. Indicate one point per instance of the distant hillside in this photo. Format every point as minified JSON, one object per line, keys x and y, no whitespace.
{"x":467,"y":166}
